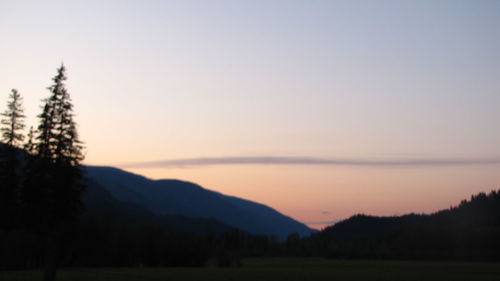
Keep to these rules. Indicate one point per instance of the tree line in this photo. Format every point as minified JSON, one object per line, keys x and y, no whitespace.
{"x":41,"y":189}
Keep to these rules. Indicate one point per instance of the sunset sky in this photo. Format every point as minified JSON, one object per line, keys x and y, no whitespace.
{"x":320,"y":109}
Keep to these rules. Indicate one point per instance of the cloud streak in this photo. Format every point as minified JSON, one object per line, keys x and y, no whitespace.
{"x":272,"y":160}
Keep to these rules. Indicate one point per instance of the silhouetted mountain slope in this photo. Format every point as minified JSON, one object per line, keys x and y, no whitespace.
{"x":102,"y":206}
{"x":139,"y":199}
{"x":468,"y":231}
{"x":269,"y":218}
{"x":173,"y":197}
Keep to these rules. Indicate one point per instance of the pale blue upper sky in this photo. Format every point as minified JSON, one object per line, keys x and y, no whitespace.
{"x":156,"y":80}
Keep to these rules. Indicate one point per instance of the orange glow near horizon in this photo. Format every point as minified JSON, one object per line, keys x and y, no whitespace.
{"x":313,"y":194}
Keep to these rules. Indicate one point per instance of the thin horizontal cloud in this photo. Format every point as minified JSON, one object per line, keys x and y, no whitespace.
{"x":272,"y":160}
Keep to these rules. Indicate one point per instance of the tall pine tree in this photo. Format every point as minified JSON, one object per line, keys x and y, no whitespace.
{"x":54,"y":186}
{"x":12,"y":126}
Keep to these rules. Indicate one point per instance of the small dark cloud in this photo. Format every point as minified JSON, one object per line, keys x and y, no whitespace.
{"x":326,"y":213}
{"x":272,"y":160}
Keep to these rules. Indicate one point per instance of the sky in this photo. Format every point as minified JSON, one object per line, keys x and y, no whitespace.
{"x":319,"y":109}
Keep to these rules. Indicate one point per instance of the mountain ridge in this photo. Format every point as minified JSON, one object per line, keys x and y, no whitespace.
{"x":100,"y":205}
{"x":176,"y":197}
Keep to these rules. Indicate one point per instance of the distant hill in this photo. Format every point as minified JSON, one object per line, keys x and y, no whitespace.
{"x":174,"y":197}
{"x":468,"y":231}
{"x":100,"y":205}
{"x":180,"y":205}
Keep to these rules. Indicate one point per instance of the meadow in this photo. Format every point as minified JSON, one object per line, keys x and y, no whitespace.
{"x":285,"y":269}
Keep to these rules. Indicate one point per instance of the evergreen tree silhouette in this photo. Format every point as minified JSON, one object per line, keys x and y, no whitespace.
{"x":54,"y":183}
{"x":29,"y":146}
{"x":13,"y":121}
{"x":12,"y":125}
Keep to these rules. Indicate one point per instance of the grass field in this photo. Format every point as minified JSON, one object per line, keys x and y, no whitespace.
{"x":283,"y":270}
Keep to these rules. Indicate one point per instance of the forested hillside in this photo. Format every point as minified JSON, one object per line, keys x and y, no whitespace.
{"x":468,"y":231}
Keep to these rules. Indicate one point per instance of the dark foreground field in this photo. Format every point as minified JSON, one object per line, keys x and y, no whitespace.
{"x":284,"y":269}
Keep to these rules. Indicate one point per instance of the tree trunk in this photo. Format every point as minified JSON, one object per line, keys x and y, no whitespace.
{"x":50,"y":258}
